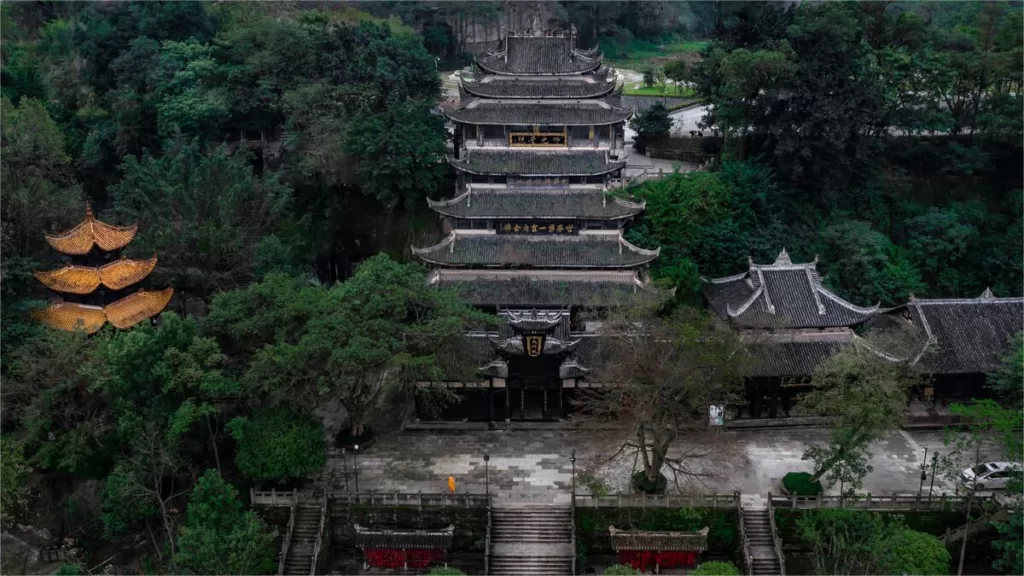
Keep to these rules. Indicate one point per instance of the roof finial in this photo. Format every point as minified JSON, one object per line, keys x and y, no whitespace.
{"x":88,"y":211}
{"x":912,"y":298}
{"x":783,"y":258}
{"x":987,"y":294}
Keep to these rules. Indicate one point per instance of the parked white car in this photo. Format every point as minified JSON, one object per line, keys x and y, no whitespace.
{"x":990,"y":475}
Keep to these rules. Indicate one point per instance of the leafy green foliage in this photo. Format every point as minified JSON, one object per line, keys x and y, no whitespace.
{"x":856,"y":542}
{"x":716,"y":569}
{"x":204,"y":215}
{"x":279,"y":444}
{"x":445,"y":571}
{"x":1008,"y":381}
{"x":800,"y":483}
{"x":398,"y":152}
{"x":69,"y":570}
{"x":621,"y":570}
{"x":14,"y":492}
{"x":219,"y":536}
{"x":373,"y":337}
{"x":864,"y":395}
{"x":650,"y":124}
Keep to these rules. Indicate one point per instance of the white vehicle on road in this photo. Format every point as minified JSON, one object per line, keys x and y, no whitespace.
{"x":990,"y":475}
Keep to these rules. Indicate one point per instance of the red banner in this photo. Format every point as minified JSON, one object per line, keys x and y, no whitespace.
{"x":396,"y":559}
{"x":646,"y":560}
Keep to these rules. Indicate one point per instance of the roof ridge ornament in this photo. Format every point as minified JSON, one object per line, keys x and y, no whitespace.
{"x":987,"y":294}
{"x":783,"y":258}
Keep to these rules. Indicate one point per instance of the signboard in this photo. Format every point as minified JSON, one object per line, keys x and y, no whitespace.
{"x":533,"y":344}
{"x":528,"y":227}
{"x":716,"y":414}
{"x":540,"y":139}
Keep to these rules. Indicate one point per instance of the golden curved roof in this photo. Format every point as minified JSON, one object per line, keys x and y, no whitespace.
{"x":131,"y":310}
{"x":80,"y":239}
{"x":84,"y":279}
{"x":70,"y":317}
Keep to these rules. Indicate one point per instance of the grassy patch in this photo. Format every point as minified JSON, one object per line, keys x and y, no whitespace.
{"x":799,"y":483}
{"x":672,"y":91}
{"x":637,"y":55}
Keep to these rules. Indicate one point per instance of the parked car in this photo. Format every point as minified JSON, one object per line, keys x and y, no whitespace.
{"x":990,"y":475}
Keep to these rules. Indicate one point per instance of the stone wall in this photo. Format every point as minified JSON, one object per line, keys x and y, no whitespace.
{"x":468,"y":542}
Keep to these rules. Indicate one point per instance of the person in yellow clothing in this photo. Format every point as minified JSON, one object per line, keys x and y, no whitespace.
{"x":451,"y":484}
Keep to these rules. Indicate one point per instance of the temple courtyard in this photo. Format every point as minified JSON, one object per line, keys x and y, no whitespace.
{"x":535,"y":465}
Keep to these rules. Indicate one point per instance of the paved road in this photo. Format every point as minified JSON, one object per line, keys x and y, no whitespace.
{"x":534,"y":465}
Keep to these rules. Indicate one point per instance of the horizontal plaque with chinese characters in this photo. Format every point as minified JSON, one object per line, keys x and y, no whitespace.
{"x":537,"y":139}
{"x":531,"y":227}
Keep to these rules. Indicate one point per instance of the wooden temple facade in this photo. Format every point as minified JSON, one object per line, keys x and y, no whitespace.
{"x":792,"y":323}
{"x":535,"y":234}
{"x":533,"y":230}
{"x":98,"y":285}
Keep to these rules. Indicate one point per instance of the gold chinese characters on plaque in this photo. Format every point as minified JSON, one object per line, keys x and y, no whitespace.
{"x":529,"y":227}
{"x":533,"y":344}
{"x":540,"y":139}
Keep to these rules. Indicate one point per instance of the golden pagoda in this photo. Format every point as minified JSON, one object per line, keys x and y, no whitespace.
{"x":94,"y":287}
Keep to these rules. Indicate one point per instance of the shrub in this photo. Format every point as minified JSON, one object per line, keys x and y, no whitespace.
{"x":716,"y":569}
{"x":620,"y":570}
{"x":445,"y":571}
{"x":642,"y":484}
{"x":279,"y":444}
{"x":799,"y":483}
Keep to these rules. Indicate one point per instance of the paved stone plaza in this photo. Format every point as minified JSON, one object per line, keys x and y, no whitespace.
{"x":534,"y":465}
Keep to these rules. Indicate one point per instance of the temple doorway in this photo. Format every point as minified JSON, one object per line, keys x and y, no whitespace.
{"x":534,"y":389}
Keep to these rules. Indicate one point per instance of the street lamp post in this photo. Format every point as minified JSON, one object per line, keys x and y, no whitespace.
{"x":487,"y":478}
{"x":344,"y":460}
{"x":355,"y":464}
{"x":572,"y":458}
{"x":924,"y":473}
{"x":935,"y":461}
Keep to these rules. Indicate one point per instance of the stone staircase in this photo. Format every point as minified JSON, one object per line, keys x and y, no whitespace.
{"x":529,"y":540}
{"x":759,"y":538}
{"x":300,"y":550}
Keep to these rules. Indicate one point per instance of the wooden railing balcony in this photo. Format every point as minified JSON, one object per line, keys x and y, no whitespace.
{"x":657,"y":501}
{"x":879,"y":503}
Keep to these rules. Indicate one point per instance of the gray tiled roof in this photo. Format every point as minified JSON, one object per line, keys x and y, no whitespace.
{"x":561,"y":113}
{"x":535,"y":88}
{"x":537,"y":204}
{"x":540,"y":56}
{"x":781,"y":295}
{"x":547,"y":289}
{"x":792,"y":353}
{"x":536,"y":162}
{"x":369,"y":538}
{"x":658,"y":541}
{"x":580,"y":251}
{"x":967,"y":335}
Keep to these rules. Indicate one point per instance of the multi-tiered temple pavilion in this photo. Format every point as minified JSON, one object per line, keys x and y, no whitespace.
{"x":98,"y":286}
{"x":533,"y":231}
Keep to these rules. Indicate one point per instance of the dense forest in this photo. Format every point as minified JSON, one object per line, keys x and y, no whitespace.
{"x":884,"y":138}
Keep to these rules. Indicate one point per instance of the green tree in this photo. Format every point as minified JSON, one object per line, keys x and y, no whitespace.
{"x":666,"y":383}
{"x":986,"y":424}
{"x":398,"y":152}
{"x":37,"y":191}
{"x":677,"y":71}
{"x":188,"y":81}
{"x":863,"y":264}
{"x":1008,"y":381}
{"x":279,"y":444}
{"x":204,"y":215}
{"x":649,"y":125}
{"x":220,"y":536}
{"x":857,"y":542}
{"x":376,"y":335}
{"x":864,"y":394}
{"x":14,"y":493}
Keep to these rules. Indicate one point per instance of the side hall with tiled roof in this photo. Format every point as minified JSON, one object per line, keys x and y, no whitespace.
{"x":781,"y":295}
